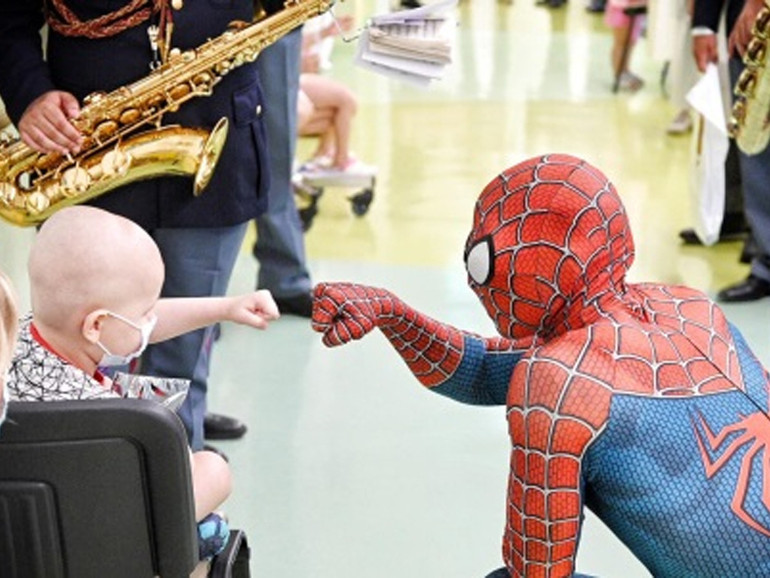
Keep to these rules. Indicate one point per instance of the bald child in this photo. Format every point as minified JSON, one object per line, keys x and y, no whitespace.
{"x":95,"y":282}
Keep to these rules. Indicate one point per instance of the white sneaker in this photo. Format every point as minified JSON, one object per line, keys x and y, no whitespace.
{"x":629,"y":82}
{"x":681,"y":124}
{"x":355,"y":174}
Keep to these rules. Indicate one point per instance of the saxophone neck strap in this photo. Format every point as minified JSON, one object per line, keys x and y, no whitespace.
{"x":64,"y":21}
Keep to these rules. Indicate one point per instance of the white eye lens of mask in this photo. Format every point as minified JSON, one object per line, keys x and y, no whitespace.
{"x":478,"y":262}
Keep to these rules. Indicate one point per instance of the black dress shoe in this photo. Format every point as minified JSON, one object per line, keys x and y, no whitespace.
{"x":409,"y":4}
{"x":300,"y":305}
{"x":751,"y":289}
{"x":221,"y":427}
{"x":690,"y":237}
{"x":750,"y":250}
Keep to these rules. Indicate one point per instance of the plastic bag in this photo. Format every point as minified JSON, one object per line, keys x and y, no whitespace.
{"x":170,"y":392}
{"x":710,"y":145}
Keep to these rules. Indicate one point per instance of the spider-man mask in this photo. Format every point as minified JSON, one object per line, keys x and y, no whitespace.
{"x":550,"y":239}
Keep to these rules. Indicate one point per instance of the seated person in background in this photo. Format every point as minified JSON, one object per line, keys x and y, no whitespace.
{"x":638,"y":400}
{"x":95,"y":282}
{"x":9,"y":326}
{"x":325,"y":107}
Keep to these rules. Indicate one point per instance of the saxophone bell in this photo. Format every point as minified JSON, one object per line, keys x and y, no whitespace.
{"x":28,"y":196}
{"x":209,"y":157}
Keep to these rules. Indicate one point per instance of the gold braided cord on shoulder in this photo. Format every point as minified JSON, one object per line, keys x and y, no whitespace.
{"x":67,"y":23}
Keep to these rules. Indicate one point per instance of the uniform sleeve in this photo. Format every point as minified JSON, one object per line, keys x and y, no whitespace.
{"x":24,"y":74}
{"x":706,"y":14}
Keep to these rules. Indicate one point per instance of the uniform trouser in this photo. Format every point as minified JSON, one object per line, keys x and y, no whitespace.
{"x":755,"y":176}
{"x":280,"y":245}
{"x":198,"y":263}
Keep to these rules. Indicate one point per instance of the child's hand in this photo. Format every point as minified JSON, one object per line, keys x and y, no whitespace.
{"x":255,"y":309}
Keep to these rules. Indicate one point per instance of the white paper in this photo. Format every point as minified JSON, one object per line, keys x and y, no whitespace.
{"x":412,"y":45}
{"x":706,"y":98}
{"x":398,"y":69}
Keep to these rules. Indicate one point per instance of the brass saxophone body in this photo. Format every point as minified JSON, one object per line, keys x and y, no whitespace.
{"x":123,"y":140}
{"x":750,"y":120}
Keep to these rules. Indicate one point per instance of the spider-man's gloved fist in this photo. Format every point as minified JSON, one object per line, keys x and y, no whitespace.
{"x":346,"y":311}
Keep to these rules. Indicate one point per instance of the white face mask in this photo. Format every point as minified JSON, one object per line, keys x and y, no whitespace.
{"x":113,"y":360}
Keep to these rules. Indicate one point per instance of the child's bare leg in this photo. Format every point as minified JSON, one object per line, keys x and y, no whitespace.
{"x":321,"y":125}
{"x":212,"y":482}
{"x":342,"y":128}
{"x":327,"y":94}
{"x":305,"y":111}
{"x":326,"y":144}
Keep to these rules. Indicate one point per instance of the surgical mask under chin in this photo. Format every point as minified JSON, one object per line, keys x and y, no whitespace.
{"x":113,"y":360}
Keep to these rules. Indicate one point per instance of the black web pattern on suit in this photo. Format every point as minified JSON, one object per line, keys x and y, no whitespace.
{"x":37,"y":374}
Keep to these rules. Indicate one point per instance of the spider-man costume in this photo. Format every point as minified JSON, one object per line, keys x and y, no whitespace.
{"x":639,"y":401}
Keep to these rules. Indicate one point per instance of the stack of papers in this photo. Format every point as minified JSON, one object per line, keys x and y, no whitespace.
{"x":413,"y":45}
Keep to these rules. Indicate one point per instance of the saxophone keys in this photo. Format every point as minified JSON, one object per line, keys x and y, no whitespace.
{"x":116,"y":162}
{"x":75,"y":180}
{"x":93,"y":98}
{"x":48,"y":161}
{"x":130,"y":116}
{"x":36,"y":203}
{"x":223,"y":67}
{"x":179,"y":92}
{"x":739,"y":112}
{"x":746,"y":84}
{"x":7,"y":194}
{"x":762,"y":24}
{"x":204,"y":78}
{"x":755,"y":52}
{"x":733,"y":127}
{"x":105,"y":129}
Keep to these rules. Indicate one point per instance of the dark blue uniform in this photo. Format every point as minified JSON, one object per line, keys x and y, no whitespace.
{"x":237,"y":191}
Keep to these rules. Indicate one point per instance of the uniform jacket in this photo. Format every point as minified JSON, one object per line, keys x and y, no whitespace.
{"x":706,"y":13}
{"x":238,"y":189}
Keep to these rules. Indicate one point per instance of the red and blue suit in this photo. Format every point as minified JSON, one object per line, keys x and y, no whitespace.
{"x":639,"y":401}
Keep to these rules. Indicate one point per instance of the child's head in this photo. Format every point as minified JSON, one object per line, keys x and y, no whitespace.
{"x":9,"y":322}
{"x":95,"y":278}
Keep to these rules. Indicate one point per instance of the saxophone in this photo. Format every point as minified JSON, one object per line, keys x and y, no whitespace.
{"x":123,"y":140}
{"x":750,"y":120}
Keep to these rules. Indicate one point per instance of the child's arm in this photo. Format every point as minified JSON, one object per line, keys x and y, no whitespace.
{"x":180,"y":315}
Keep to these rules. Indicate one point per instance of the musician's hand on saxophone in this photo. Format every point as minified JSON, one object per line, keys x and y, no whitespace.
{"x":704,"y":49}
{"x":45,"y":126}
{"x":741,"y":34}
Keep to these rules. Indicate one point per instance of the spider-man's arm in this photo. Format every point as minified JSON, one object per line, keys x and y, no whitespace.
{"x":451,"y":362}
